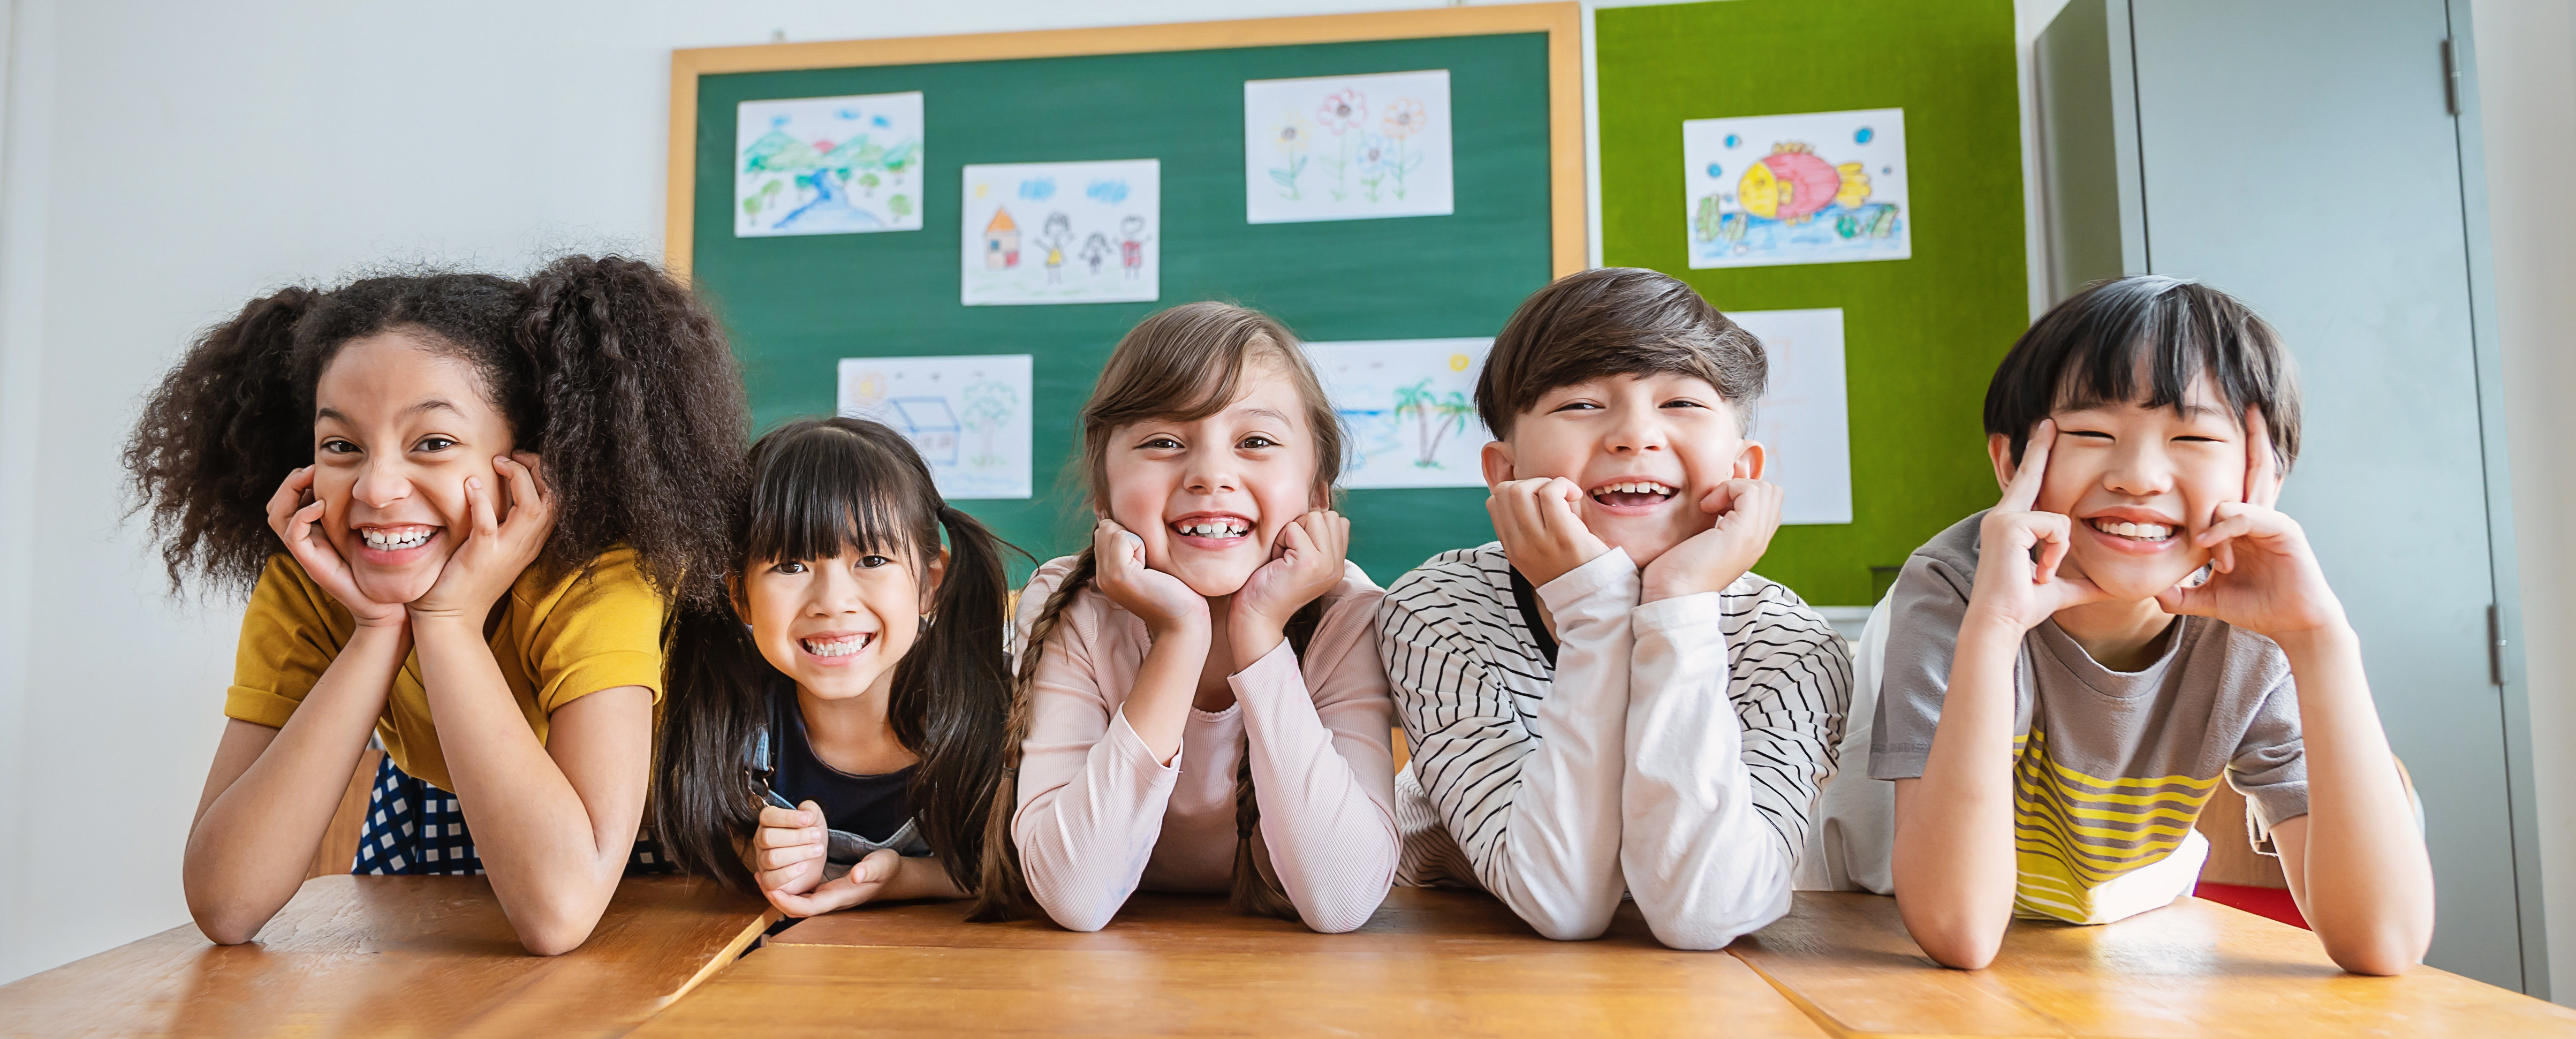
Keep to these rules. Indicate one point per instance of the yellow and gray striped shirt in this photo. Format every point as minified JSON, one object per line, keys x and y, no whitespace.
{"x":2111,"y":768}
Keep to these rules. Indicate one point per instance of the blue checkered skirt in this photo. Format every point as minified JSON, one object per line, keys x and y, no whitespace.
{"x":414,"y":829}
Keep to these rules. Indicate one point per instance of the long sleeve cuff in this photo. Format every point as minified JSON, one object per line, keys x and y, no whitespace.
{"x":1610,"y":572}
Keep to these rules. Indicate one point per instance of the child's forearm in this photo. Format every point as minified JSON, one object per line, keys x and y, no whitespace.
{"x":1158,"y":706}
{"x":1953,"y":861}
{"x":552,"y":859}
{"x":923,"y":877}
{"x":257,"y":829}
{"x":2363,"y":877}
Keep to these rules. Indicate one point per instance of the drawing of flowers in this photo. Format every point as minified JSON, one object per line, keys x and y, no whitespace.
{"x":1292,"y":138}
{"x":1434,"y":416}
{"x":1376,"y":161}
{"x":1405,"y":118}
{"x":1340,"y":112}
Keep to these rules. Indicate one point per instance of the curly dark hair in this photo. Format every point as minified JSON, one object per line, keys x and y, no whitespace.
{"x":615,"y":375}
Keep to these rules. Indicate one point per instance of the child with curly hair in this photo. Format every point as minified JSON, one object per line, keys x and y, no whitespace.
{"x":463,"y":506}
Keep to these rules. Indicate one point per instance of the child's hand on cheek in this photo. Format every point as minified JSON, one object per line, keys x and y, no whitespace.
{"x":297,"y":518}
{"x":1748,"y":514}
{"x":497,"y":546}
{"x":2264,"y":576}
{"x":1307,"y":563}
{"x":2012,"y":589}
{"x":1157,"y":598}
{"x":1541,"y":530}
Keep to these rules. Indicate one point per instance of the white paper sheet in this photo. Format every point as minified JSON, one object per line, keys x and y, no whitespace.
{"x":1062,"y":232}
{"x":1821,"y":187}
{"x":968,"y":415}
{"x":1408,"y":409}
{"x":1346,"y":147}
{"x":1804,"y":421}
{"x":828,"y":165}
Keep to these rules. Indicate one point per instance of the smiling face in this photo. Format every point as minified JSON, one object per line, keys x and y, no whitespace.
{"x":2138,"y":484}
{"x":837,"y":625}
{"x":1644,"y":449}
{"x":398,"y":428}
{"x":1209,"y":497}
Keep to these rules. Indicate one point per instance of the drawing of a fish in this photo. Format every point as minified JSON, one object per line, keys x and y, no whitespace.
{"x":1791,"y":184}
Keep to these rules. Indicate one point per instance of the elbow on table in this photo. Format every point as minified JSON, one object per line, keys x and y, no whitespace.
{"x":553,"y":930}
{"x":1076,"y":916}
{"x":1580,"y":923}
{"x":227,"y":925}
{"x":1964,"y":944}
{"x":2384,"y":952}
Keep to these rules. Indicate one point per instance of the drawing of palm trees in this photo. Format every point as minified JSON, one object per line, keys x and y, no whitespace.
{"x":1434,"y":417}
{"x":989,"y":405}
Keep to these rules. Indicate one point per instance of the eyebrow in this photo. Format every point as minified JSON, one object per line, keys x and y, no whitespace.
{"x":432,"y":404}
{"x":1267,"y":413}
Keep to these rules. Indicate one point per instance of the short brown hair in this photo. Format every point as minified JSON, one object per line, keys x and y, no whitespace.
{"x":1615,"y":321}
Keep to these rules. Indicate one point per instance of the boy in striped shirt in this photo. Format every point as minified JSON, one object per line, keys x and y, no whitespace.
{"x":2064,"y":684}
{"x":1607,"y":700}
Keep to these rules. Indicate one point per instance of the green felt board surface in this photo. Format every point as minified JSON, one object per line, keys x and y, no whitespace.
{"x":796,"y":305}
{"x":1921,"y":335}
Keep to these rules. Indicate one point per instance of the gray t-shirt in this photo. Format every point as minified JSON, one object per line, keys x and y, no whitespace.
{"x":2111,"y":767}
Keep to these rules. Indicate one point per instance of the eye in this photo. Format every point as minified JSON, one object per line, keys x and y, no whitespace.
{"x":1575,"y":405}
{"x":1256,"y":442}
{"x":788,"y":566}
{"x":1161,"y":444}
{"x":2093,"y":433}
{"x":2198,"y":439}
{"x":1682,"y":402}
{"x":434,"y":443}
{"x":872,"y":562}
{"x":337,"y":446}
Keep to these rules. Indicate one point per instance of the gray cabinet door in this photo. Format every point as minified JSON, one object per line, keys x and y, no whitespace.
{"x":2301,"y":154}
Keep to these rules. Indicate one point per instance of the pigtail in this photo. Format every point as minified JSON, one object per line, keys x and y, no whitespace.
{"x":1253,"y":894}
{"x":1004,"y":893}
{"x":952,"y":701}
{"x":635,"y":406}
{"x":703,"y":811}
{"x":217,"y":437}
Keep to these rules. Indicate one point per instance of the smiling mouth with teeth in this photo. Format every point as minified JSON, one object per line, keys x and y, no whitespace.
{"x":397,"y":540}
{"x":838,"y":645}
{"x":1632,"y":493}
{"x":2132,"y":531}
{"x":1227,"y":527}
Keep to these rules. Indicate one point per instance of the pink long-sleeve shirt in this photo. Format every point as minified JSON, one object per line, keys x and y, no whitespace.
{"x":1099,"y":817}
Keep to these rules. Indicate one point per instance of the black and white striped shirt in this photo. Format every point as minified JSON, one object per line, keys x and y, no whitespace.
{"x":1558,"y":772}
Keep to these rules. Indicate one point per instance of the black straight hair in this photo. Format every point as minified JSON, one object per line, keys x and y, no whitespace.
{"x":1616,"y":321}
{"x":819,"y":487}
{"x":2145,"y":339}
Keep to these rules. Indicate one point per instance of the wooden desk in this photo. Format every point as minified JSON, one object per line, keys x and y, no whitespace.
{"x":396,"y":956}
{"x":2191,"y":969}
{"x":1430,"y":963}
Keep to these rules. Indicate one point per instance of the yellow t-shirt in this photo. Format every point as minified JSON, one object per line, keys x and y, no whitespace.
{"x":556,"y":642}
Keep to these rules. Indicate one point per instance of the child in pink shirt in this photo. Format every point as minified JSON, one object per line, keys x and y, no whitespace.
{"x":1200,"y":705}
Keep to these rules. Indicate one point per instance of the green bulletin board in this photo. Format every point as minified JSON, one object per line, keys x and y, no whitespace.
{"x":1921,"y":335}
{"x":797,"y":305}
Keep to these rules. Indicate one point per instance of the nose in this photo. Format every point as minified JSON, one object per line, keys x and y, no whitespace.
{"x":1212,"y":471}
{"x":2140,"y":470}
{"x":1637,"y":432}
{"x":381,"y":483}
{"x":836,"y":593}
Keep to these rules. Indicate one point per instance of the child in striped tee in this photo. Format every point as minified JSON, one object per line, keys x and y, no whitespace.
{"x":1606,"y":700}
{"x":2068,"y":674}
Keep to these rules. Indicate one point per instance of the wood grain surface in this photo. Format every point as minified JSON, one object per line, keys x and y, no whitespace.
{"x":396,"y":956}
{"x":1430,"y":963}
{"x":2191,"y":969}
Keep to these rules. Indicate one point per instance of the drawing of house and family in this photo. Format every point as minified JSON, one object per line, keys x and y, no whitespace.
{"x":1062,"y":232}
{"x":828,"y":165}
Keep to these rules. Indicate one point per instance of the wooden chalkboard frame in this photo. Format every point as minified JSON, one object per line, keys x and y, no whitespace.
{"x":1562,"y":22}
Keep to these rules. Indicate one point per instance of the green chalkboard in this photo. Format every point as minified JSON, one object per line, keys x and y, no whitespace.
{"x":796,"y":305}
{"x":1921,"y":335}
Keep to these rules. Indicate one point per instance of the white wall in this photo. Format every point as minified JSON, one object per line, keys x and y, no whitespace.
{"x":2526,"y":66}
{"x":163,"y":161}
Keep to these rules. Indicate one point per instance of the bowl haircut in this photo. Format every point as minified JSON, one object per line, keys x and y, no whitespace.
{"x":1615,"y":321}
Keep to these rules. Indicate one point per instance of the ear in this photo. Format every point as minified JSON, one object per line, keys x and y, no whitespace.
{"x":932,"y":575}
{"x":2000,"y":447}
{"x":1497,"y":458}
{"x":1749,"y":462}
{"x":741,"y":598}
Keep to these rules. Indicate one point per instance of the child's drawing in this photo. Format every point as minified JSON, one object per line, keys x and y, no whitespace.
{"x":1048,"y":232}
{"x":828,"y":165}
{"x":968,"y":415}
{"x":1346,"y":147}
{"x":1823,"y":187}
{"x":1803,"y":421}
{"x":1409,"y":407}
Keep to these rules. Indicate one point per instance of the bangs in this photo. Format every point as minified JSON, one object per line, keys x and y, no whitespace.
{"x":2146,"y":340}
{"x":819,"y":490}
